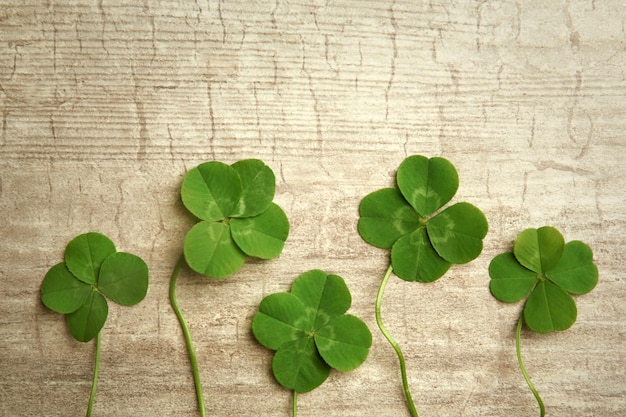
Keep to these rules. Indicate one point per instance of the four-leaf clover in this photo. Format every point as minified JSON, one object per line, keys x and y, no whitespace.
{"x":238,"y":218}
{"x":424,"y":242}
{"x":546,"y":270}
{"x":92,"y":270}
{"x":310,"y":331}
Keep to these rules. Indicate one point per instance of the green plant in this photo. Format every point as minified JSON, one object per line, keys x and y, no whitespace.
{"x":310,"y":332}
{"x":543,"y":270}
{"x":237,"y":219}
{"x":77,"y":288}
{"x":424,"y":242}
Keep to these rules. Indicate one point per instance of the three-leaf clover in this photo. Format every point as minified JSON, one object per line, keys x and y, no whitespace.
{"x":545,"y":270}
{"x":238,"y":217}
{"x":92,"y":270}
{"x":424,"y":242}
{"x":310,"y":332}
{"x":77,"y":288}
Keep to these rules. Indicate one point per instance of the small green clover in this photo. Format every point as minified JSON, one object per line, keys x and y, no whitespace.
{"x":545,"y":270}
{"x":238,"y":218}
{"x":424,"y":242}
{"x":310,"y":332}
{"x":92,"y":270}
{"x":77,"y":287}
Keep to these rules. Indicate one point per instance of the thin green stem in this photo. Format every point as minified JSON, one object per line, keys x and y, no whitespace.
{"x":294,"y":409}
{"x":188,"y":341}
{"x":518,"y":348}
{"x":96,"y":368}
{"x":393,"y":343}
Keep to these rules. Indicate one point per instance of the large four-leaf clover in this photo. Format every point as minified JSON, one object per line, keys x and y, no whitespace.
{"x":310,"y":332}
{"x":92,"y":270}
{"x":546,"y":270}
{"x":424,"y":242}
{"x":238,"y":218}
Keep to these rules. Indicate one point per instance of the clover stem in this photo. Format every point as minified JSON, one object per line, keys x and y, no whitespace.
{"x":393,"y":343}
{"x":294,"y":409}
{"x":518,"y":348}
{"x":188,"y":341}
{"x":96,"y":368}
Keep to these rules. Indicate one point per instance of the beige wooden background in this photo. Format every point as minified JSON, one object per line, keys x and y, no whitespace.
{"x":104,"y":105}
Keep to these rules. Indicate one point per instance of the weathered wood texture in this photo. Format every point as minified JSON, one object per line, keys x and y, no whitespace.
{"x":105,"y":105}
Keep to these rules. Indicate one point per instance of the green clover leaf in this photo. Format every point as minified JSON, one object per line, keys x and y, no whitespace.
{"x":544,"y":270}
{"x":423,"y":243}
{"x":385,"y":217}
{"x":539,"y":249}
{"x":124,"y":278}
{"x":211,"y":190}
{"x":310,"y":331}
{"x":86,"y":322}
{"x":575,"y":272}
{"x":85,"y":253}
{"x":62,"y":291}
{"x":93,"y":269}
{"x":457,"y":232}
{"x":414,"y":258}
{"x":297,"y":365}
{"x":263,"y":235}
{"x":258,"y":187}
{"x":238,"y":218}
{"x":427,"y":184}
{"x":210,"y":250}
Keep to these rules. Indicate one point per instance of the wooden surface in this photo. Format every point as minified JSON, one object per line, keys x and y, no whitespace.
{"x":104,"y":106}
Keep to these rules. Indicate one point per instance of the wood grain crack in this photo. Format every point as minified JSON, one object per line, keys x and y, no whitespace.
{"x":14,"y":69}
{"x":360,"y":66}
{"x":544,"y":165}
{"x":141,"y":119}
{"x":153,"y":27}
{"x":103,"y":26}
{"x":394,"y":57}
{"x":171,"y":141}
{"x":334,"y":68}
{"x":209,"y":94}
{"x":54,"y":46}
{"x":479,"y":18}
{"x":316,"y":110}
{"x":3,"y":136}
{"x":53,"y":129}
{"x":531,"y":141}
{"x":221,"y":18}
{"x":574,"y":36}
{"x":79,"y":38}
{"x":256,"y":112}
{"x":118,"y":209}
{"x":273,"y":15}
{"x":570,"y":114}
